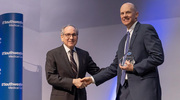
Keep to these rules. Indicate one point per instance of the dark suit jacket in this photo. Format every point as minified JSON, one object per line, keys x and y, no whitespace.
{"x":147,"y":50}
{"x":60,"y":74}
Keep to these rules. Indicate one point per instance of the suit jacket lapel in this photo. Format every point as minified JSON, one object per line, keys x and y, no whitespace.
{"x":134,"y":35}
{"x":122,"y":45}
{"x":80,"y":60}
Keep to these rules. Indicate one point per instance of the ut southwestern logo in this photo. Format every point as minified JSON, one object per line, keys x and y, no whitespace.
{"x":12,"y":54}
{"x":13,"y":23}
{"x":12,"y":85}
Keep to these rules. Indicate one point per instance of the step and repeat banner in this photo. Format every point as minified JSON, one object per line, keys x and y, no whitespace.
{"x":11,"y":56}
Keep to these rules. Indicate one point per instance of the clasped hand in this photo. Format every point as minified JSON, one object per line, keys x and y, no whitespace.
{"x":127,"y":66}
{"x":82,"y":83}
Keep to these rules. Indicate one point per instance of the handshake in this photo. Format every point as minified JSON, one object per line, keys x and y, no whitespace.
{"x":82,"y":83}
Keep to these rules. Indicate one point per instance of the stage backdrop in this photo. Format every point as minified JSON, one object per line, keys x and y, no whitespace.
{"x":11,"y":55}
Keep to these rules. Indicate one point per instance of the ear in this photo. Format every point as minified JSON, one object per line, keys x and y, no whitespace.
{"x":62,"y":38}
{"x":137,"y":14}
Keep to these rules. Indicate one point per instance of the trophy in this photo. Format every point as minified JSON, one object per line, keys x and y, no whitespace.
{"x":129,"y":57}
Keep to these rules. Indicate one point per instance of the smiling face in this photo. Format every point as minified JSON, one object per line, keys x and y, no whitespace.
{"x":128,"y":14}
{"x":69,"y":37}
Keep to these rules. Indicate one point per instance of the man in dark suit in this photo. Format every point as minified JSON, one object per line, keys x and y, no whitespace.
{"x":64,"y":69}
{"x":141,"y":78}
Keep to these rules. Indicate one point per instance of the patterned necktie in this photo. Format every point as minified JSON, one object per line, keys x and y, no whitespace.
{"x":73,"y":63}
{"x":124,"y":58}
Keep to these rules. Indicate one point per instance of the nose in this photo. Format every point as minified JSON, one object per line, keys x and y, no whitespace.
{"x":123,"y":15}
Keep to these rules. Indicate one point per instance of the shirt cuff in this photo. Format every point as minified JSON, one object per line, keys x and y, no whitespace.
{"x":93,"y":81}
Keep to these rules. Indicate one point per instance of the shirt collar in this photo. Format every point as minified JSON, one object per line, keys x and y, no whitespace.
{"x":132,"y":28}
{"x":67,"y":49}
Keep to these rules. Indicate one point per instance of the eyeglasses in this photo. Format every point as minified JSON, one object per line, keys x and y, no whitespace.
{"x":69,"y":35}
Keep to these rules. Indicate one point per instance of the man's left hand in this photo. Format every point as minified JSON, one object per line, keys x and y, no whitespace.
{"x":127,"y":66}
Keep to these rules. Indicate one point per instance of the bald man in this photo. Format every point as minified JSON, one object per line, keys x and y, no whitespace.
{"x":141,"y":79}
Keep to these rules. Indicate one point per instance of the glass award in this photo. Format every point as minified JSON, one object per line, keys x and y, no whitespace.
{"x":129,"y":57}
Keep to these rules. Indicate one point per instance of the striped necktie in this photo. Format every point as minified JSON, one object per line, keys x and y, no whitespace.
{"x":73,"y":63}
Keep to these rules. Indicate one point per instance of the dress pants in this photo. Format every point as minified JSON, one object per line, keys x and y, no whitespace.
{"x":124,"y":92}
{"x":76,"y":95}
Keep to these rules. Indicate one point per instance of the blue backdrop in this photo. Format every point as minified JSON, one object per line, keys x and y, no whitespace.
{"x":11,"y":56}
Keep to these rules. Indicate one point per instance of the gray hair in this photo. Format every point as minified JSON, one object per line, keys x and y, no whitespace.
{"x":62,"y":30}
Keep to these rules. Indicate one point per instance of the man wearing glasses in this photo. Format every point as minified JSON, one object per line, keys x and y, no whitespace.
{"x":66,"y":65}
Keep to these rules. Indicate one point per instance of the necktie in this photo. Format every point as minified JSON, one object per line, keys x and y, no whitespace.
{"x":124,"y":58}
{"x":73,"y":63}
